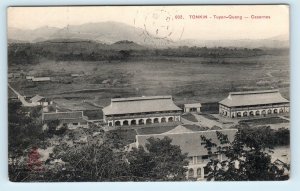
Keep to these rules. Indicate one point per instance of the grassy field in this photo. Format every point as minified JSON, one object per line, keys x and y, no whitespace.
{"x":209,"y":116}
{"x":263,"y":121}
{"x":186,"y":79}
{"x":195,"y":127}
{"x":189,"y":117}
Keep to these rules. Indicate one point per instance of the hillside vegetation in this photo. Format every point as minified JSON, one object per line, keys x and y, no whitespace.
{"x":87,"y":50}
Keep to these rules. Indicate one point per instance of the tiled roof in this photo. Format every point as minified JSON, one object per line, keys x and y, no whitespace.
{"x":253,"y":98}
{"x":189,"y":142}
{"x":62,"y":115}
{"x":178,"y":129}
{"x":77,"y":120}
{"x":140,"y":105}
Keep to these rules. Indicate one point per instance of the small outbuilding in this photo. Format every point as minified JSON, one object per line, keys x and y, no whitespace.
{"x":77,"y":75}
{"x":41,"y":79}
{"x":29,"y":77}
{"x":40,"y":100}
{"x":192,"y":108}
{"x":107,"y":81}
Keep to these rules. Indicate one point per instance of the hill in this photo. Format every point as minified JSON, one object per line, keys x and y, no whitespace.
{"x":111,"y":32}
{"x":103,"y":32}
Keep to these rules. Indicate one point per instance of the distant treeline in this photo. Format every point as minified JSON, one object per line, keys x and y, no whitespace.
{"x":30,"y":53}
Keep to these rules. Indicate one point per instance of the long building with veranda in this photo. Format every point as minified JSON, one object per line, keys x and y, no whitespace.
{"x":141,"y":111}
{"x":253,"y":103}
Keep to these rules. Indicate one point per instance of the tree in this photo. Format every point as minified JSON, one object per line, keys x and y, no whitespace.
{"x":36,"y":112}
{"x":246,"y":159}
{"x":282,"y":136}
{"x":51,"y":108}
{"x":141,"y":165}
{"x":158,"y":161}
{"x":124,"y":54}
{"x":52,"y":128}
{"x":264,"y":136}
{"x":91,"y":163}
{"x":23,"y":131}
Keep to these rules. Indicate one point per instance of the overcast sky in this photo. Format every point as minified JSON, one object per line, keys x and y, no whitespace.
{"x":155,"y":19}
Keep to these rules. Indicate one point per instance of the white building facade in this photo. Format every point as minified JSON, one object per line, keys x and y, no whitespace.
{"x":253,"y":104}
{"x":141,"y":111}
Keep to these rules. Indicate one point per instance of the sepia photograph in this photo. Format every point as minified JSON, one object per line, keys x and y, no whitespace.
{"x":148,"y":93}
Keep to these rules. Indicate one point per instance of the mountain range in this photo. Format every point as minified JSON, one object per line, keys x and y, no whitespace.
{"x":112,"y":32}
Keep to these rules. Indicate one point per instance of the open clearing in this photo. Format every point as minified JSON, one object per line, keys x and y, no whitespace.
{"x":186,"y":79}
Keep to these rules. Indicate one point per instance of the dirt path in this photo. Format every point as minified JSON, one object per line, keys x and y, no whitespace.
{"x":202,"y":121}
{"x":269,"y":74}
{"x":207,"y":122}
{"x":21,"y":98}
{"x":282,"y":117}
{"x":185,"y":121}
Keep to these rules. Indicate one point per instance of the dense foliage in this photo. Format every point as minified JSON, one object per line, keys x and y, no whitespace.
{"x":264,"y":135}
{"x":30,"y":53}
{"x":161,"y":161}
{"x":106,"y":161}
{"x":246,"y":158}
{"x":23,"y":131}
{"x":24,"y":134}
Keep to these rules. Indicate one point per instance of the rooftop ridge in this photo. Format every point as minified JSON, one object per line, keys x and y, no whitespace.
{"x":254,"y":92}
{"x":64,"y":112}
{"x":140,"y":98}
{"x":58,"y":115}
{"x":254,"y":98}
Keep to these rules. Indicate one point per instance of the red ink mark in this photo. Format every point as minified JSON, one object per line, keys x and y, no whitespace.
{"x":33,"y":162}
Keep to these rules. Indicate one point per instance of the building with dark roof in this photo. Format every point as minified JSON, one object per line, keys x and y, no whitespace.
{"x":72,"y":119}
{"x":190,"y":142}
{"x":253,"y":103}
{"x":141,"y":110}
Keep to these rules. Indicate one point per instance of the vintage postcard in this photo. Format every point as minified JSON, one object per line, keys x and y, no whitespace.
{"x":148,"y":93}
